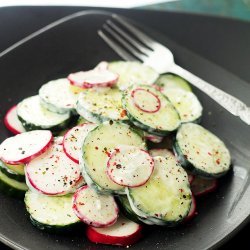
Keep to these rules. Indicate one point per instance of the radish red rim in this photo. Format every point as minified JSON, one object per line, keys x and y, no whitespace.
{"x":192,"y":211}
{"x":73,"y":140}
{"x":150,"y":102}
{"x":53,"y":173}
{"x":24,"y":147}
{"x":202,"y":186}
{"x":123,"y":233}
{"x":93,"y":78}
{"x":95,"y":209}
{"x":130,"y":166}
{"x":190,"y":178}
{"x":12,"y":122}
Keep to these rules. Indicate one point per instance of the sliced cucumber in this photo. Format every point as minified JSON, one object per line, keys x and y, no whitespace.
{"x":97,"y":148}
{"x":101,"y":104}
{"x":57,"y":97}
{"x":81,"y":120}
{"x":156,"y":115}
{"x":34,"y":116}
{"x":12,"y":187}
{"x":50,"y":213}
{"x":126,"y":208}
{"x":11,"y":173}
{"x":171,"y":81}
{"x":132,"y":73}
{"x":19,"y":169}
{"x":160,"y":152}
{"x":201,"y":152}
{"x":166,"y":198}
{"x":186,"y":103}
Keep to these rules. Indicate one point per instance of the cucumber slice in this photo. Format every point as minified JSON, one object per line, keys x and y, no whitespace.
{"x":201,"y":152}
{"x":97,"y":148}
{"x":57,"y":97}
{"x":166,"y":198}
{"x":126,"y":208}
{"x":34,"y":116}
{"x":12,"y":187}
{"x":101,"y":104}
{"x":171,"y":81}
{"x":132,"y":73}
{"x":11,"y":174}
{"x":81,"y":120}
{"x":162,"y":120}
{"x":19,"y":169}
{"x":160,"y":152}
{"x":50,"y":213}
{"x":186,"y":103}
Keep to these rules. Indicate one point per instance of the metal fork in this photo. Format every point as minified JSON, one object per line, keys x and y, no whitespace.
{"x":133,"y":45}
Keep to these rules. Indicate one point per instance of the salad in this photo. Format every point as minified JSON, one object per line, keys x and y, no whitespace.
{"x":85,"y":153}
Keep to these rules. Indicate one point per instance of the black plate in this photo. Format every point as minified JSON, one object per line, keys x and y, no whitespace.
{"x":74,"y":45}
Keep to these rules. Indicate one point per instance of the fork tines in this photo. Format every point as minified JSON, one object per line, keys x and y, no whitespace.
{"x":126,"y":40}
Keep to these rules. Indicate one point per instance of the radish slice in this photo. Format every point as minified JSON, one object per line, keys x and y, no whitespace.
{"x":95,"y":209}
{"x":102,"y":65}
{"x":153,"y":138}
{"x":123,"y":233}
{"x":145,"y":100}
{"x":24,"y":147}
{"x":12,"y":122}
{"x":192,"y":211}
{"x":130,"y":166}
{"x":74,"y":138}
{"x":93,"y":78}
{"x":202,"y":186}
{"x":53,"y":173}
{"x":190,"y":178}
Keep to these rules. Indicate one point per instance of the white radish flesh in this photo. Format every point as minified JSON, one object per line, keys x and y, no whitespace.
{"x":93,"y":208}
{"x":24,"y":147}
{"x":12,"y":122}
{"x":53,"y":173}
{"x":130,"y":166}
{"x":74,"y":138}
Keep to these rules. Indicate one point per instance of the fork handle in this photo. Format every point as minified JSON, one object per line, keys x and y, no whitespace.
{"x":229,"y":102}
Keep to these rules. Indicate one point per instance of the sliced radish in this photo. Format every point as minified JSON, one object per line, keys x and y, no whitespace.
{"x":190,"y":178}
{"x":24,"y":147}
{"x":95,"y":209}
{"x":12,"y":122}
{"x":145,"y":100}
{"x":74,"y":138}
{"x":202,"y":186}
{"x":192,"y":211}
{"x":53,"y":173}
{"x":123,"y":233}
{"x":130,"y":166}
{"x":153,"y":138}
{"x":102,"y":65}
{"x":93,"y":78}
